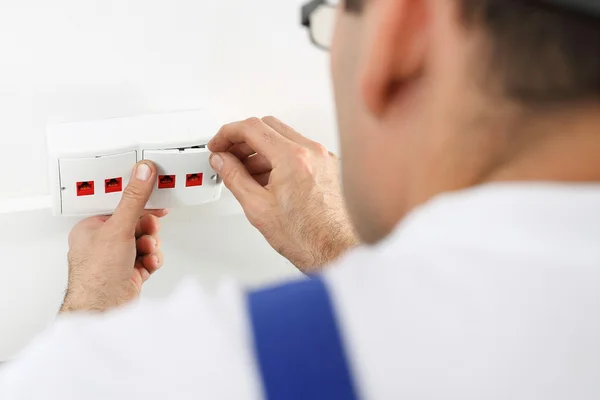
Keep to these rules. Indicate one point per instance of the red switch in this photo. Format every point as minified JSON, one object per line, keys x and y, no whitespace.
{"x":166,"y":181}
{"x":193,"y":180}
{"x":113,"y":185}
{"x":85,"y":188}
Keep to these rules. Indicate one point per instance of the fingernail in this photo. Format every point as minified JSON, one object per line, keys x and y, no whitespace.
{"x":153,"y":242}
{"x":216,"y":161}
{"x":155,"y":259}
{"x":143,"y":172}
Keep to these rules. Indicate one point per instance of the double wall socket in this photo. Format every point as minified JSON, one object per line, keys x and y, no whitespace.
{"x":91,"y":162}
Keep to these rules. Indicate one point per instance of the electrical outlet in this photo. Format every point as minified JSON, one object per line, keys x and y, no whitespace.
{"x":82,"y":182}
{"x":185,"y":168}
{"x":113,"y":185}
{"x":90,"y":162}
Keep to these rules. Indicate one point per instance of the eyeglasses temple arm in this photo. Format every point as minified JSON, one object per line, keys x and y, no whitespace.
{"x":307,"y":11}
{"x":589,"y":7}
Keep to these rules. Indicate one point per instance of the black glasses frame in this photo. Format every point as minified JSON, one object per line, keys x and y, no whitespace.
{"x":307,"y":11}
{"x":587,"y":7}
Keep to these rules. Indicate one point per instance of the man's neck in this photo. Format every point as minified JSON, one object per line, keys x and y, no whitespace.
{"x":564,"y":146}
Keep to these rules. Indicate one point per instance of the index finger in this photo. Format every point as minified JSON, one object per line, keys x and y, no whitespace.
{"x":261,"y":138}
{"x":147,"y":225}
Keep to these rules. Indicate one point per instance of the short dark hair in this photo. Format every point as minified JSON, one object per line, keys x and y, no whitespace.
{"x":538,"y":54}
{"x":354,"y":5}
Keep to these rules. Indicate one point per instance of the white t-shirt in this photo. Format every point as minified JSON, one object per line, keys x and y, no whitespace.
{"x":491,"y":293}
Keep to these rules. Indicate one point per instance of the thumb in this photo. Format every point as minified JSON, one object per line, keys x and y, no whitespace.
{"x":236,"y":177}
{"x":135,"y":196}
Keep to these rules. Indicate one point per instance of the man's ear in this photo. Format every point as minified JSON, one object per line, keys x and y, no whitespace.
{"x":396,"y":49}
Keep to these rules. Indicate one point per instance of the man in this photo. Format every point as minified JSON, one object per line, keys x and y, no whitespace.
{"x":470,"y":135}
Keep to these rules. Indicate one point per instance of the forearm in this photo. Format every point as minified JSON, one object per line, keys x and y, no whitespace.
{"x":324,"y":248}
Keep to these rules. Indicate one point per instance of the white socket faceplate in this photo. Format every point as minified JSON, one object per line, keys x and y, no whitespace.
{"x":91,"y":162}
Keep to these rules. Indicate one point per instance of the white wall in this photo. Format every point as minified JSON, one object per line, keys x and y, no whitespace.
{"x":67,"y":60}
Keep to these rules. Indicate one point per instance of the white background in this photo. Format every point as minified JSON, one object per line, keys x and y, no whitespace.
{"x":72,"y":60}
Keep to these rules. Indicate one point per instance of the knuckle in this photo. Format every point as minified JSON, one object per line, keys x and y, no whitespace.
{"x":226,"y":127}
{"x":132,"y":192}
{"x":256,"y":126}
{"x":252,"y":122}
{"x":161,"y":259}
{"x":321,"y":150}
{"x":220,"y":134}
{"x":285,"y":130}
{"x":301,"y":157}
{"x":156,"y":222}
{"x":269,"y":118}
{"x":301,"y":153}
{"x":268,"y":137}
{"x":259,"y":223}
{"x":230,"y":175}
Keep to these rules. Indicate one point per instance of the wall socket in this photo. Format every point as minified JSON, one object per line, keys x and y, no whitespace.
{"x":91,"y":162}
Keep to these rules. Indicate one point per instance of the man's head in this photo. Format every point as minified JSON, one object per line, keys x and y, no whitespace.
{"x":440,"y":95}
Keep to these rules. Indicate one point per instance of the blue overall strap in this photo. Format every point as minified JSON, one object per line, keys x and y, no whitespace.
{"x":298,"y":345}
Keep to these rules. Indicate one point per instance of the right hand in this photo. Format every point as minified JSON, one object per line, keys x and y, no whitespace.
{"x":289,"y":189}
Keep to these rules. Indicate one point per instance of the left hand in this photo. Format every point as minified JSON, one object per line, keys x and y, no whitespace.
{"x":111,"y":257}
